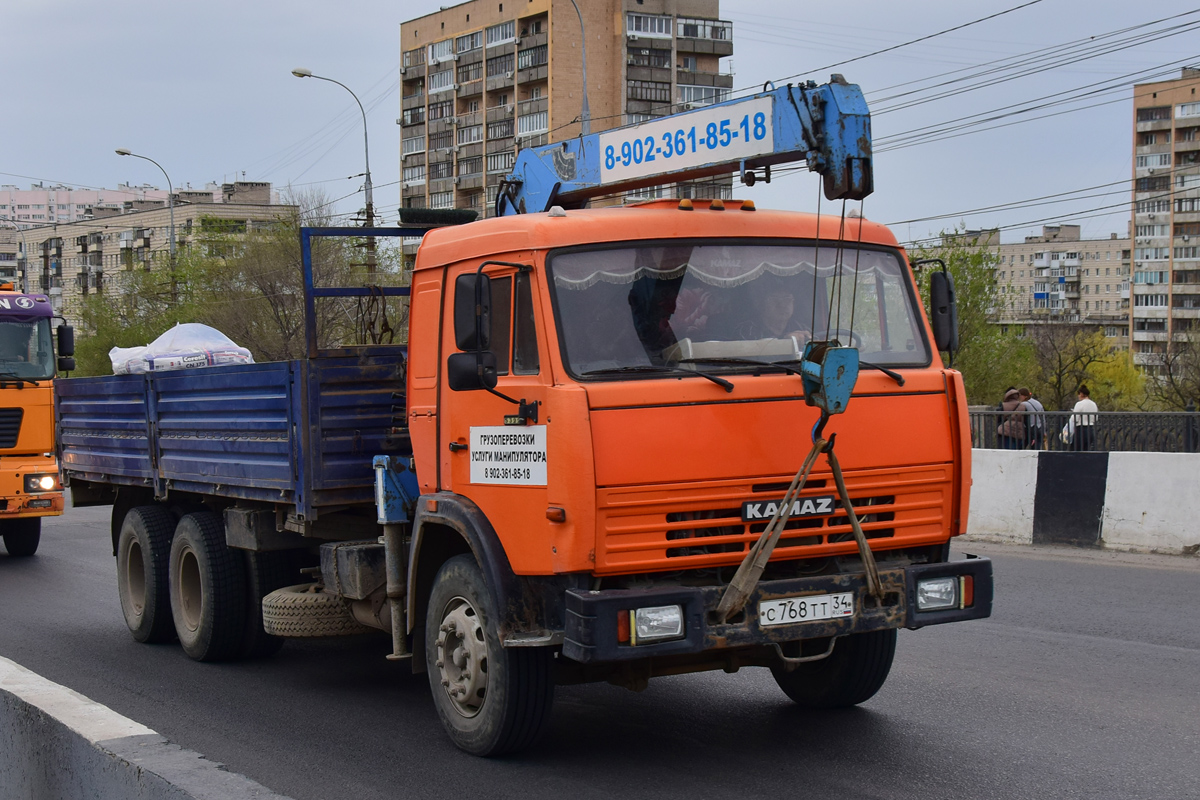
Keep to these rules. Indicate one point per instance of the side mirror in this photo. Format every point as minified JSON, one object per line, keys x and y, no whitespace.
{"x":943,"y":311}
{"x":473,"y":312}
{"x":66,"y":364}
{"x":66,"y":341}
{"x":468,"y":372}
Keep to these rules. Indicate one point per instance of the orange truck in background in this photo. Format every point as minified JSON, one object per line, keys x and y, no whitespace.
{"x":29,"y":480}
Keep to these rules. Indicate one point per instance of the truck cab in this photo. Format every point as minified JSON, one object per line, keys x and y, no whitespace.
{"x":622,"y":433}
{"x":29,"y":479}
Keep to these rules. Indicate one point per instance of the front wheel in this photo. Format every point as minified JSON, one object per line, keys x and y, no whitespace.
{"x":491,"y":700}
{"x":851,"y":674}
{"x":21,"y":536}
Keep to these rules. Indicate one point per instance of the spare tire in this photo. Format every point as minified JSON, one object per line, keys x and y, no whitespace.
{"x":305,"y":610}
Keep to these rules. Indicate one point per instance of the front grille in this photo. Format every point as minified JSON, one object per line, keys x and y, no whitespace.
{"x":641,"y":531}
{"x":10,"y":426}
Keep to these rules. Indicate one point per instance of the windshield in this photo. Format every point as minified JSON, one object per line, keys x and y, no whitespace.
{"x":25,"y":349}
{"x":713,"y":305}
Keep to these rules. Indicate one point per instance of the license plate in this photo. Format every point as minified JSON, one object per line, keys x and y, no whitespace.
{"x":805,"y":609}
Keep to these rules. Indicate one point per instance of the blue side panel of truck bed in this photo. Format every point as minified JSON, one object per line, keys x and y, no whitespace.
{"x":226,"y":430}
{"x":356,"y":405}
{"x":301,"y":433}
{"x":107,"y":435}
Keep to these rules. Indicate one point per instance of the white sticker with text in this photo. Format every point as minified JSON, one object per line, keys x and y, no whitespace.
{"x":509,"y":455}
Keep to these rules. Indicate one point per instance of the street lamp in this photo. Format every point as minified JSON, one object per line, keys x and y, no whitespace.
{"x":301,"y":72}
{"x":585,"y":124}
{"x":121,"y":151}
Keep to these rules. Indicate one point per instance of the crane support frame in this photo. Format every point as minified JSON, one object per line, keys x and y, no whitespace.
{"x":828,"y":126}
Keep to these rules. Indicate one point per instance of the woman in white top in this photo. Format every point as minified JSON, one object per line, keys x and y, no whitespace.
{"x":1081,"y":427}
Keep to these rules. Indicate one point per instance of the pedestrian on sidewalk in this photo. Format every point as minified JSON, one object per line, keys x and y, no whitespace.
{"x":1035,"y":419}
{"x":1011,"y":432}
{"x":1080,"y":431}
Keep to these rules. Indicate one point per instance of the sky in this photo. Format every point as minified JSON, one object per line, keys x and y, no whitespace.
{"x":207,"y":91}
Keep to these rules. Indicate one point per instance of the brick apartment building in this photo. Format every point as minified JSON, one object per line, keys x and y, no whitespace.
{"x":1166,"y":216}
{"x":484,"y":78}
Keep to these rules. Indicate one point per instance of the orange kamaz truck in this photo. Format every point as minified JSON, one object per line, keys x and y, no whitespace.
{"x":29,"y":479}
{"x":620,"y":443}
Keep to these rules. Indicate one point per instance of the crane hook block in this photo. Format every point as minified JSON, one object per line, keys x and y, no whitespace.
{"x":829,"y":373}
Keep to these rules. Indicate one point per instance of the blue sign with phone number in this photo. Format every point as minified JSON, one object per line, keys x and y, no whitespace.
{"x":723,"y":133}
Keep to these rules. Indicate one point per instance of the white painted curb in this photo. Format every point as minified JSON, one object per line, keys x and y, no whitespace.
{"x":1003,"y":483}
{"x":1152,"y":502}
{"x":56,"y":743}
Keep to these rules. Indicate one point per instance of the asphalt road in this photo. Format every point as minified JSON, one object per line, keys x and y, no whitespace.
{"x":1084,"y":684}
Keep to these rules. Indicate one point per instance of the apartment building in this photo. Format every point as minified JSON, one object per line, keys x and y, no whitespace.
{"x":72,"y":260}
{"x":484,"y":78}
{"x":1059,"y":277}
{"x":1166,"y":216}
{"x":47,"y":205}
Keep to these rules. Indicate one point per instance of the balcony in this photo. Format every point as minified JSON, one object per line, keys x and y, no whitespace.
{"x":533,"y":74}
{"x":1154,"y":125}
{"x":704,"y":36}
{"x":1149,"y":359}
{"x":1044,"y":261}
{"x":470,"y":89}
{"x":687,"y":77}
{"x":412,"y":101}
{"x":533,"y":106}
{"x":648,"y":74}
{"x":500,"y":82}
{"x":499,"y":113}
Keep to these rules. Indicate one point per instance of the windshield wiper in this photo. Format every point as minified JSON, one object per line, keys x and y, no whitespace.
{"x":896,"y":376}
{"x":748,"y":362}
{"x":649,"y":368}
{"x":9,"y":376}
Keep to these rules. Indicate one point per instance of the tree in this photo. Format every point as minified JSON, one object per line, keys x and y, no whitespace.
{"x":1072,"y":355}
{"x":1178,"y":382}
{"x":991,"y":357}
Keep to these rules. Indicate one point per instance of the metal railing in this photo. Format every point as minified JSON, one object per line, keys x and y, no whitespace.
{"x":1168,"y":432}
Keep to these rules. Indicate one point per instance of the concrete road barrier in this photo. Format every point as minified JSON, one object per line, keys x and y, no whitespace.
{"x":56,"y":743}
{"x":1139,"y":502}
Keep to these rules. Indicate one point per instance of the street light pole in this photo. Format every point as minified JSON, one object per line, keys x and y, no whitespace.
{"x":369,"y":222}
{"x":122,"y":151}
{"x":585,"y":123}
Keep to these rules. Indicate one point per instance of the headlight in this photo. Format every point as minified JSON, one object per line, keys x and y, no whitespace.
{"x":937,"y":594}
{"x":40,"y":483}
{"x":656,"y":624}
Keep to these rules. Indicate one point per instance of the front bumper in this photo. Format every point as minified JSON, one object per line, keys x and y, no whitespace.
{"x":15,"y":501}
{"x":591,"y":616}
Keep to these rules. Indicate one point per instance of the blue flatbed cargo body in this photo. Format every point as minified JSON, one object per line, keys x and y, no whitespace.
{"x":298,"y":433}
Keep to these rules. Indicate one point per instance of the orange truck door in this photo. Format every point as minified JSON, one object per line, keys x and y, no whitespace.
{"x":503,"y":467}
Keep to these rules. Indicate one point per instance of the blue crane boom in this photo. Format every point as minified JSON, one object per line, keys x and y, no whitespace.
{"x":827,"y":126}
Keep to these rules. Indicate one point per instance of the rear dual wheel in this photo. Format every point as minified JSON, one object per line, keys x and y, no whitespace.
{"x":143,"y":551}
{"x":180,"y":580}
{"x":208,"y":589}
